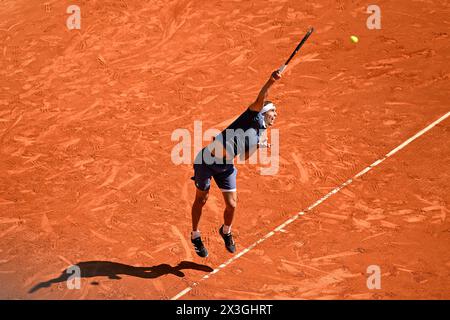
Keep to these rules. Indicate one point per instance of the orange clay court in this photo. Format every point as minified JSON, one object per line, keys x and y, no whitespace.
{"x":86,"y":177}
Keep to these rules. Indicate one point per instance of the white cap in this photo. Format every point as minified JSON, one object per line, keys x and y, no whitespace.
{"x":268,"y":107}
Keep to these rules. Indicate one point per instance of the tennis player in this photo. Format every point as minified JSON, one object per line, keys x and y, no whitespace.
{"x":242,"y":137}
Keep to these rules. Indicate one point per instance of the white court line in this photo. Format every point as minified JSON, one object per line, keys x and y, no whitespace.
{"x":315,"y":204}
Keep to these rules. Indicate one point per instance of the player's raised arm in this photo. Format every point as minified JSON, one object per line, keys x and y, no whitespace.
{"x":259,"y":102}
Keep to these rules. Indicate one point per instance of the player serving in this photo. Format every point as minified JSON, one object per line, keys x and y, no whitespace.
{"x":242,"y":137}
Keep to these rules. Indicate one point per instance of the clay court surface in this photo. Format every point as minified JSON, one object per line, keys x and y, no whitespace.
{"x":86,"y":178}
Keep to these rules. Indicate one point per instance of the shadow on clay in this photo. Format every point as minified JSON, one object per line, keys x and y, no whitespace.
{"x":114,"y":270}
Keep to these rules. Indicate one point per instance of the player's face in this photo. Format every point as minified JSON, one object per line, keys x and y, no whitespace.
{"x":269,"y":117}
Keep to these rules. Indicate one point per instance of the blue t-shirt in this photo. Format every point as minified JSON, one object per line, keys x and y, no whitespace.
{"x":243,"y":134}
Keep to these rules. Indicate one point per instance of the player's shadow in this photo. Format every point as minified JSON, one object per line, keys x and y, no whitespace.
{"x":114,"y":270}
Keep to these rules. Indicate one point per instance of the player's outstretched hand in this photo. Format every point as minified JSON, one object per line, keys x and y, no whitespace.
{"x":276,"y":75}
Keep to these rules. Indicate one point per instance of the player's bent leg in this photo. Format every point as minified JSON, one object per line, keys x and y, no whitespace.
{"x":202,"y":179}
{"x":227,"y":183}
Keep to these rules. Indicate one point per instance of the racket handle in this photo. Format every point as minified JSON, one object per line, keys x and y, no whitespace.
{"x":281,"y":69}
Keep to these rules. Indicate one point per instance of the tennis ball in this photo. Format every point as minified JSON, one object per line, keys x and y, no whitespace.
{"x":354,"y":39}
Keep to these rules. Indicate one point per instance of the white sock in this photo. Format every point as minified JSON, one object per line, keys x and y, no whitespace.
{"x":195,"y":234}
{"x":226,"y":229}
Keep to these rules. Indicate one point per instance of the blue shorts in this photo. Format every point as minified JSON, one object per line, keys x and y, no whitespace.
{"x":224,"y":175}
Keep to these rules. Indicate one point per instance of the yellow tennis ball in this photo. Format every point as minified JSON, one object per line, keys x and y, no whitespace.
{"x":354,"y":39}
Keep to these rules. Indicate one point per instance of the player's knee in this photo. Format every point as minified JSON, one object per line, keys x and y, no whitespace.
{"x":201,"y":200}
{"x":231,"y":204}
